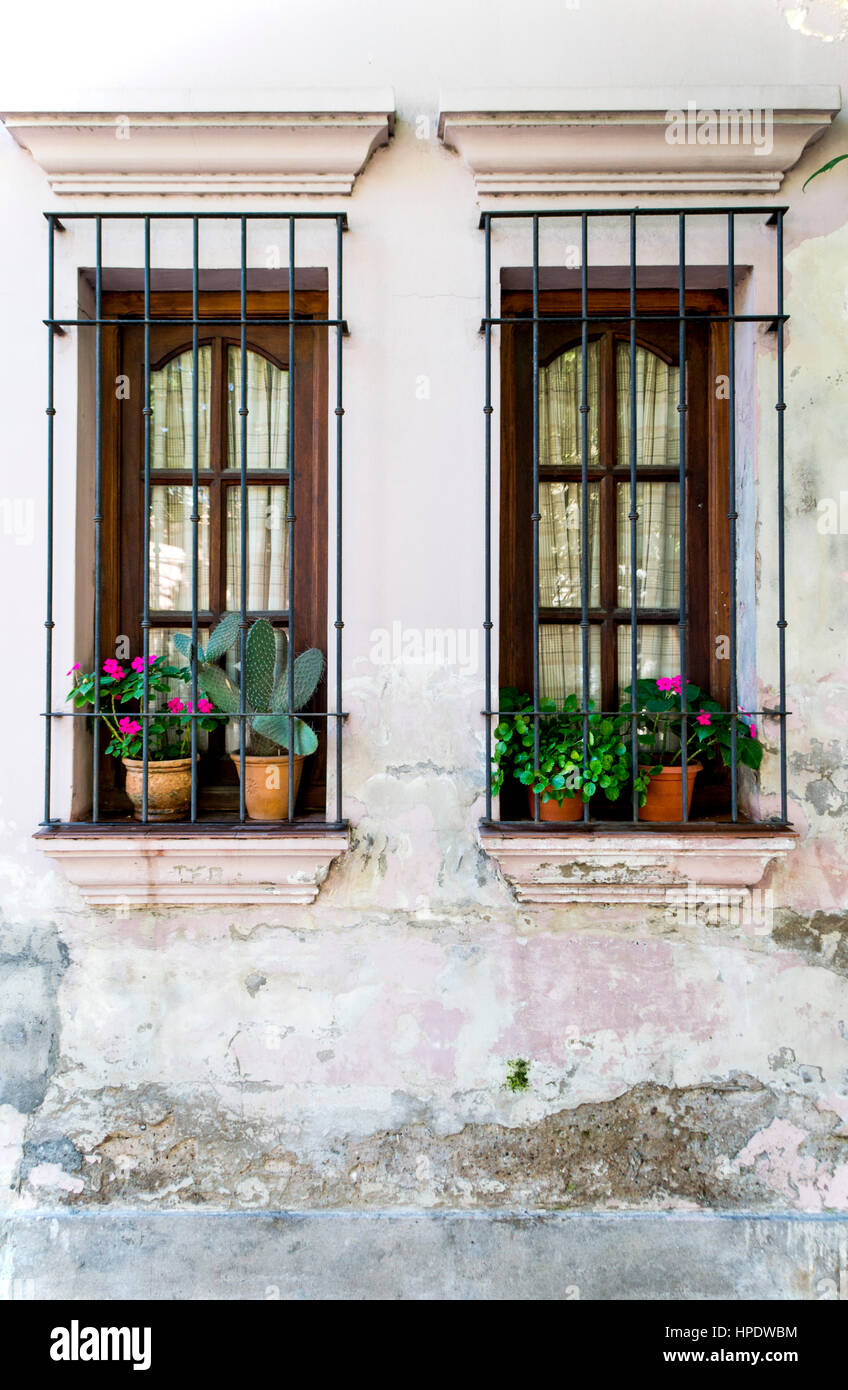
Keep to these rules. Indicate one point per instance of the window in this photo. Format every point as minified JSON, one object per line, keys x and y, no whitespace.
{"x":202,"y":456}
{"x":220,"y":525}
{"x":658,"y":530}
{"x":622,"y":545}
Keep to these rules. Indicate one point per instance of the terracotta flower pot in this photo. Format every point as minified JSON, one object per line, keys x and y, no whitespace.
{"x":664,"y":801}
{"x":266,"y":784}
{"x":571,"y":808}
{"x":168,"y":787}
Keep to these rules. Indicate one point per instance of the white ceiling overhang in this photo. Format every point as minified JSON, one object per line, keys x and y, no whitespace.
{"x":681,"y":140}
{"x":308,"y":142}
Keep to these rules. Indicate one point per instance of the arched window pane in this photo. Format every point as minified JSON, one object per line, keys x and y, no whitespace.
{"x":172,"y":421}
{"x":560,"y":395}
{"x":267,"y":412}
{"x":657,"y":416}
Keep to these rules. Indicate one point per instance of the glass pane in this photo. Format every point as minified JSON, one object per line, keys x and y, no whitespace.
{"x":561,"y":662}
{"x":268,"y":412}
{"x":560,"y":557}
{"x":172,"y":421}
{"x":657,"y":544}
{"x":267,"y":548}
{"x":560,"y":394}
{"x":171,"y":548}
{"x":657,"y":653}
{"x":657,"y":418}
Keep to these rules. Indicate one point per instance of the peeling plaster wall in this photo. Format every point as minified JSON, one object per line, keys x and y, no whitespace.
{"x":356,"y":1053}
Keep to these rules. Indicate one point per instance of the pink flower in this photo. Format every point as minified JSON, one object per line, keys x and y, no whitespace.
{"x":137,"y":662}
{"x":664,"y":683}
{"x":128,"y":727}
{"x":176,"y":705}
{"x":75,"y":667}
{"x":113,"y":670}
{"x":205,"y":706}
{"x":752,"y":729}
{"x":703,"y":717}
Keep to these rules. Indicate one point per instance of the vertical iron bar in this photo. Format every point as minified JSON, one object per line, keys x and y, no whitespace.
{"x":243,"y":516}
{"x":290,"y":522}
{"x":98,"y":512}
{"x":535,"y":516}
{"x":487,"y":485}
{"x":584,"y":490}
{"x":48,"y":611}
{"x":145,"y":621}
{"x":339,"y":624}
{"x":683,"y":615}
{"x":195,"y":502}
{"x":731,"y":504}
{"x":781,"y":576}
{"x":633,"y":517}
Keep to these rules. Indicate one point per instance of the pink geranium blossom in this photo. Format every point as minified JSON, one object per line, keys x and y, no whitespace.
{"x":137,"y":662}
{"x":75,"y":667}
{"x":176,"y":705}
{"x":129,"y":727}
{"x":664,"y":683}
{"x":205,"y":706}
{"x":112,"y":668}
{"x":703,"y":717}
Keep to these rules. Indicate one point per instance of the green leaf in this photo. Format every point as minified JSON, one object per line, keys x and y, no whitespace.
{"x":182,"y":642}
{"x":217,"y":687}
{"x":276,"y":728}
{"x":831,"y":164}
{"x":260,"y":653}
{"x":222,"y":638}
{"x":307,"y":671}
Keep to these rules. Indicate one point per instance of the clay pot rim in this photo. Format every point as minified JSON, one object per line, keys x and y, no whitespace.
{"x":170,"y":763}
{"x":677,"y":767}
{"x":268,"y":758}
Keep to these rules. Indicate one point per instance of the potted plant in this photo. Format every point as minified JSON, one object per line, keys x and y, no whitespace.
{"x":169,"y":735}
{"x":659,"y":779}
{"x":266,"y":701}
{"x":570,"y":769}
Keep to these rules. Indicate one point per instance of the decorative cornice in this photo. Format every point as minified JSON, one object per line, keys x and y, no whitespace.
{"x":141,"y":869}
{"x":669,"y":140}
{"x":634,"y":867}
{"x":317,"y":150}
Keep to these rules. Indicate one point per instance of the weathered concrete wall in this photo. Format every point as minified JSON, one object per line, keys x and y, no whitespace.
{"x":357,"y":1053}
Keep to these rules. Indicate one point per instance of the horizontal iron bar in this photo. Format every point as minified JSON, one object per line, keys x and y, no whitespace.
{"x":631,"y":212}
{"x":176,"y":829}
{"x":610,"y":713}
{"x":577,"y":827}
{"x":199,"y":714}
{"x":231,"y":322}
{"x":603,"y":317}
{"x":339,"y":217}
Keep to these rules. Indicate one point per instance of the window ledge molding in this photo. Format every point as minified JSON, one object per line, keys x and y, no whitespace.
{"x":632,"y":867}
{"x":195,"y":869}
{"x":614,"y":140}
{"x":318,"y":143}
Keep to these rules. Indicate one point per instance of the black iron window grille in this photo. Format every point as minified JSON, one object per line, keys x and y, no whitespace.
{"x":615,"y":315}
{"x":245,"y":319}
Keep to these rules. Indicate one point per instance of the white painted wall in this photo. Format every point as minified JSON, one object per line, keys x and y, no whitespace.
{"x":413,"y":960}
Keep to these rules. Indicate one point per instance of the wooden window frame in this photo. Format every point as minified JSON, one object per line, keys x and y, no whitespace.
{"x":123,"y":488}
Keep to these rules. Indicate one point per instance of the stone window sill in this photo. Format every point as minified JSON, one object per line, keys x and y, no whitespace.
{"x":181,"y":866}
{"x":633,"y":865}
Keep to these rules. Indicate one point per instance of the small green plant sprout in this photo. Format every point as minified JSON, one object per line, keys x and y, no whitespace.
{"x":518,"y":1074}
{"x":265,"y":684}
